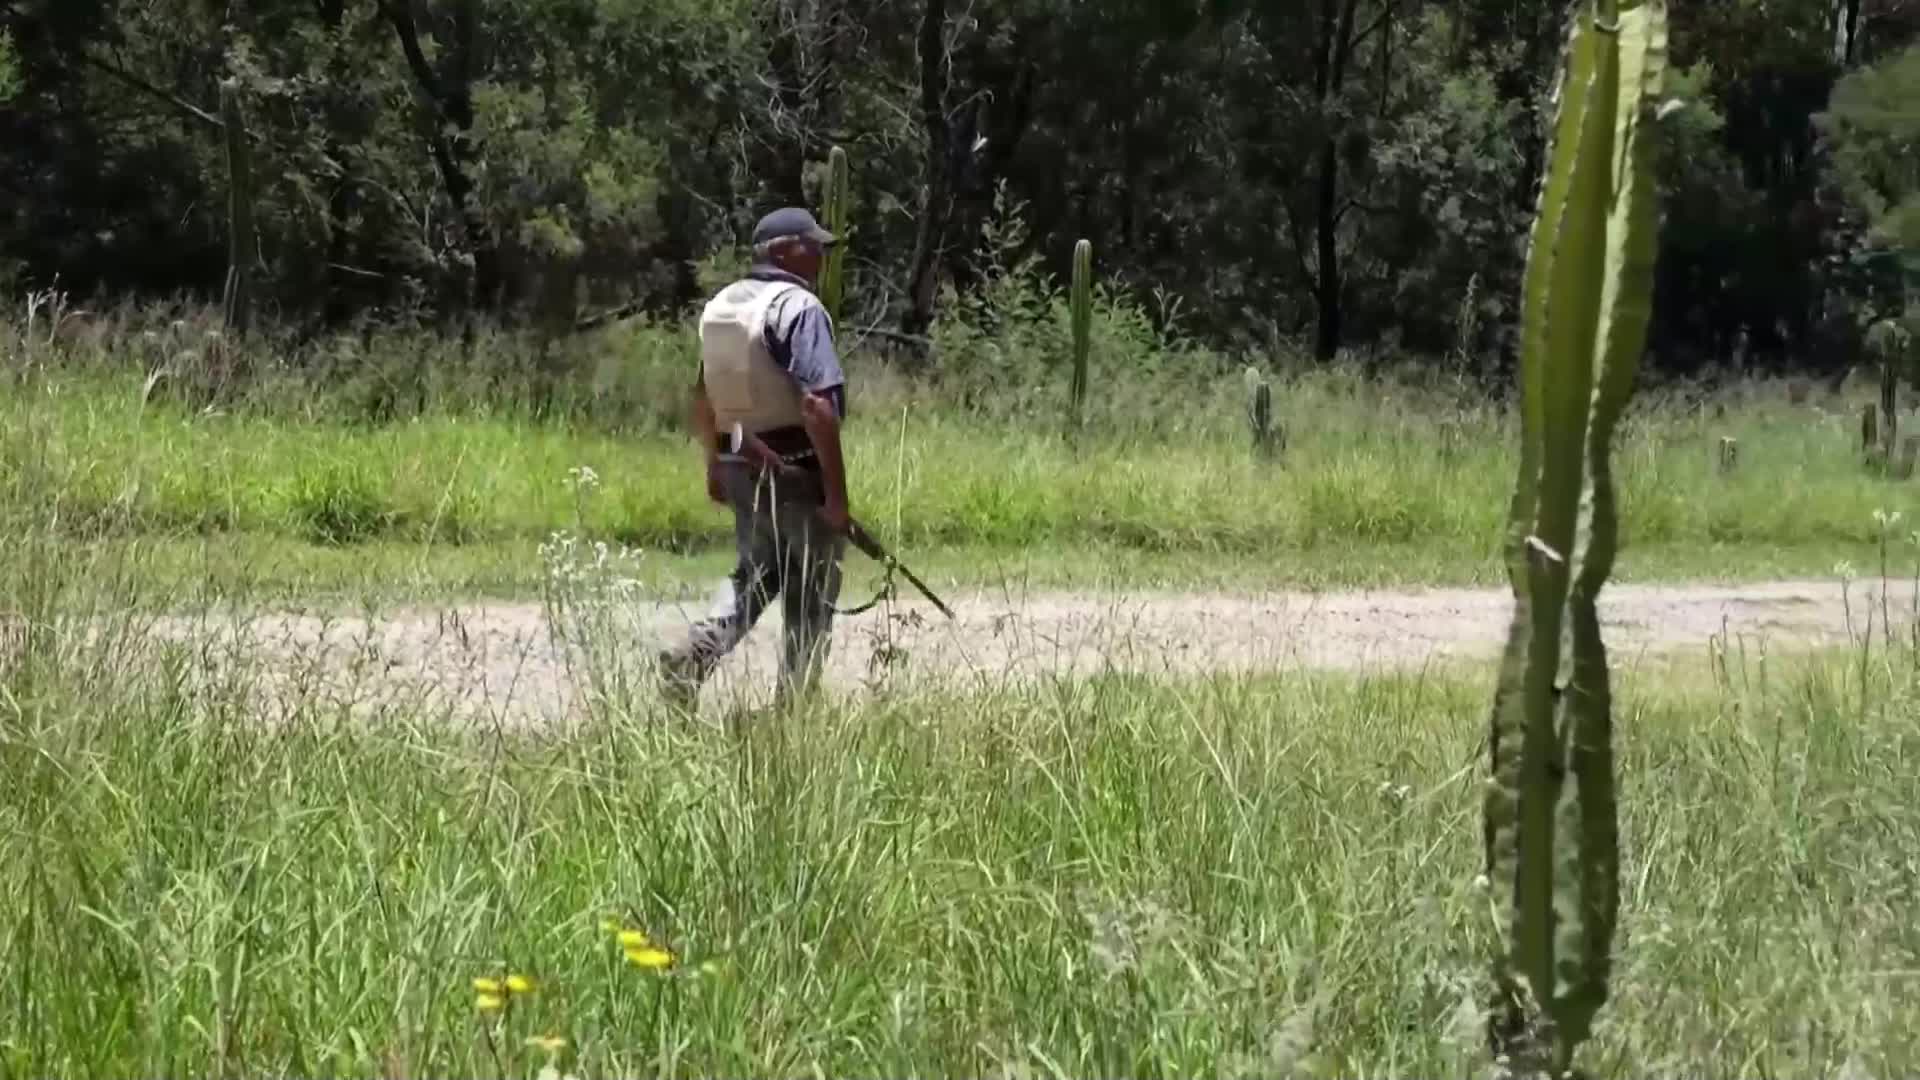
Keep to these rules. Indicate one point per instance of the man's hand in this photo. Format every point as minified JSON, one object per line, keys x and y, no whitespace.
{"x":836,"y":516}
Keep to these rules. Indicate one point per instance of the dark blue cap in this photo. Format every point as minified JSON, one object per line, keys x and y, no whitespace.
{"x":789,"y":222}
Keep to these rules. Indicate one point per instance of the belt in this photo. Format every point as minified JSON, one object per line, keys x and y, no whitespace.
{"x":805,"y":458}
{"x":790,"y":444}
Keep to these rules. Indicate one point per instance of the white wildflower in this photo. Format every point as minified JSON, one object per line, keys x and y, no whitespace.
{"x":1466,"y":1025}
{"x":1854,"y":1069}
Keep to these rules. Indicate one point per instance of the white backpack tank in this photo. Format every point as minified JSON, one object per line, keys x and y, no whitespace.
{"x":745,"y":384}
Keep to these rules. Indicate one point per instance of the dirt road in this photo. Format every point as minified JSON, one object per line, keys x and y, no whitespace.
{"x":505,"y":661}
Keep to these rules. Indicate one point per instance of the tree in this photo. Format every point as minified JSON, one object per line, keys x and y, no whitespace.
{"x":1872,"y":128}
{"x":936,"y":185}
{"x":1345,"y":90}
{"x":1348,"y":175}
{"x":9,"y":69}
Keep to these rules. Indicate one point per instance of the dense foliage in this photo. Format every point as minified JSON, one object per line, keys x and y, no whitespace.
{"x":1344,"y":174}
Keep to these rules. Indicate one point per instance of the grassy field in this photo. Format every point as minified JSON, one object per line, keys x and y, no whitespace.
{"x":1268,"y":875}
{"x":1381,"y":483}
{"x":1235,"y":876}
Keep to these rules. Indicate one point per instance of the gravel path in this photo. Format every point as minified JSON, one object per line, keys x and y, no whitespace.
{"x":505,"y":661}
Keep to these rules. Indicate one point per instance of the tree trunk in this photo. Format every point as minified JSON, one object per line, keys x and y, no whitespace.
{"x":1847,"y":50}
{"x":1326,"y":285}
{"x":1889,"y":407}
{"x":1003,"y":118}
{"x":935,"y":71}
{"x":241,"y":244}
{"x":336,"y":306}
{"x":1539,"y":27}
{"x":812,"y":44}
{"x":559,"y":301}
{"x":1336,"y":46}
{"x":451,"y":99}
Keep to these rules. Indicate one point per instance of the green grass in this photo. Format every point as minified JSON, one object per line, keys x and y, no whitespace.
{"x":1235,"y":876}
{"x":1381,"y":484}
{"x":282,"y":571}
{"x":1113,"y":876}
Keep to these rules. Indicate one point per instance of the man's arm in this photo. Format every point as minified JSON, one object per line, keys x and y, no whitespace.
{"x":811,"y":360}
{"x":705,"y":426}
{"x":823,"y":428}
{"x":706,"y":430}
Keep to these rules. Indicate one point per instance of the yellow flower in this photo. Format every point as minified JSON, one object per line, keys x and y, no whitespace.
{"x":650,"y":957}
{"x":632,"y":939}
{"x":486,"y":986}
{"x":488,"y":1002}
{"x":552,"y":1044}
{"x":519,"y":984}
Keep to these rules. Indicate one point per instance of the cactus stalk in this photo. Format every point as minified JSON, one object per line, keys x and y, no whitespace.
{"x":1888,"y":343}
{"x":1550,"y":816}
{"x":834,"y":217}
{"x":1081,"y":300}
{"x":1260,"y":413}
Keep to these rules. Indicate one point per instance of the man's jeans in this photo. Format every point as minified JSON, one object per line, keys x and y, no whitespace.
{"x":785,"y":551}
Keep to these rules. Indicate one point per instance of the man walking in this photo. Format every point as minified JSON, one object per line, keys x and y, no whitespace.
{"x":768,"y":368}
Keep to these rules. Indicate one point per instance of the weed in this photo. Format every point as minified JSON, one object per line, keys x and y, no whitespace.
{"x":340,"y":504}
{"x":1111,"y":875}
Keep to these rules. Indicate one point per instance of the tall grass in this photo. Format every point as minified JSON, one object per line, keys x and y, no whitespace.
{"x":220,"y":867}
{"x":1270,"y":875}
{"x":404,"y":437}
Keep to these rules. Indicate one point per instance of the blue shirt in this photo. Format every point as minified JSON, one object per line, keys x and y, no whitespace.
{"x":800,"y":336}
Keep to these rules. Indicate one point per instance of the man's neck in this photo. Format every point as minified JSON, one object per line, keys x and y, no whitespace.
{"x":770,"y":272}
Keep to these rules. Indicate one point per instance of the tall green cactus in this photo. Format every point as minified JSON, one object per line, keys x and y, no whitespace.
{"x":1552,"y":846}
{"x":9,"y":68}
{"x":1888,"y":342}
{"x":834,"y":215}
{"x":1082,"y":304}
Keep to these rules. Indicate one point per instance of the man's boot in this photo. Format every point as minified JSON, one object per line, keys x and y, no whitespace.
{"x":679,"y":682}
